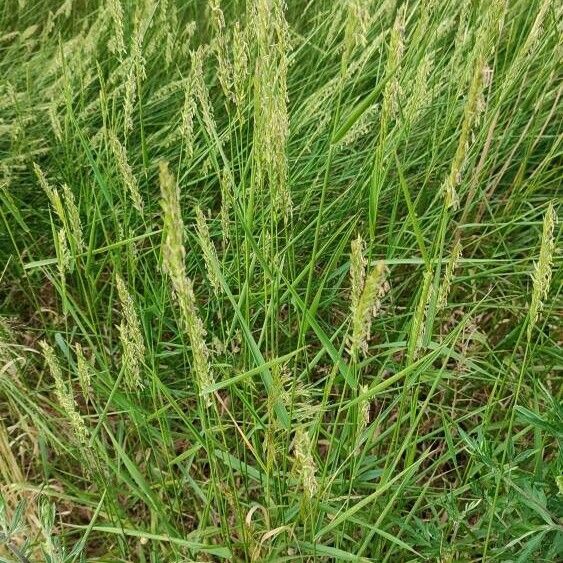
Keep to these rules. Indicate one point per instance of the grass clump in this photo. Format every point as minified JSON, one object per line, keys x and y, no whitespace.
{"x":279,"y":281}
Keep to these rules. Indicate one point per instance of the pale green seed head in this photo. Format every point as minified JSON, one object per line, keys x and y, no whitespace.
{"x":84,"y":370}
{"x":357,"y":271}
{"x":131,"y":337}
{"x":74,"y":223}
{"x":64,"y":257}
{"x":451,"y":266}
{"x":173,"y":253}
{"x":541,"y":276}
{"x":417,"y":332}
{"x":64,"y":394}
{"x":209,"y":251}
{"x":304,"y":463}
{"x":126,"y":172}
{"x":366,"y":309}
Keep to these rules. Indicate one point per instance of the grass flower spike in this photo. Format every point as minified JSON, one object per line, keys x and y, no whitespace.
{"x":174,"y":253}
{"x":367,"y":291}
{"x":64,"y":394}
{"x":305,"y":467}
{"x":131,"y":336}
{"x":541,"y":276}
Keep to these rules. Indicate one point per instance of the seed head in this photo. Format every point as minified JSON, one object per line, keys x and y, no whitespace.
{"x":363,"y":408}
{"x":541,"y":276}
{"x":84,"y":372}
{"x":51,"y":192}
{"x":52,"y":112}
{"x":135,"y":72}
{"x":173,"y":248}
{"x":537,"y":27}
{"x":67,"y":213}
{"x":392,"y":89}
{"x":129,"y":100}
{"x":187,"y":125}
{"x":271,"y":123}
{"x":416,"y":337}
{"x":366,"y":307}
{"x":130,"y":335}
{"x":209,"y":252}
{"x":137,"y":60}
{"x":357,"y":26}
{"x":201,"y":92}
{"x":473,"y":105}
{"x":171,"y":26}
{"x":305,"y":467}
{"x":126,"y":172}
{"x":227,"y":195}
{"x":419,"y":92}
{"x":64,"y":394}
{"x":117,"y":42}
{"x":74,"y":224}
{"x":64,"y":258}
{"x":357,"y":270}
{"x":240,"y":67}
{"x":362,"y":126}
{"x":220,"y":48}
{"x":444,"y":290}
{"x":173,"y":253}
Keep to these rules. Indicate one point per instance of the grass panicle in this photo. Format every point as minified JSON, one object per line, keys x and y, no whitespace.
{"x":174,"y":253}
{"x":131,"y":337}
{"x":64,"y":394}
{"x":541,"y":276}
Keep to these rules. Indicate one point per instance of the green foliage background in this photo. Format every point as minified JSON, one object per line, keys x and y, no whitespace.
{"x":328,"y":121}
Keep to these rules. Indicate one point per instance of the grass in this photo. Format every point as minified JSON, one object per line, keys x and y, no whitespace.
{"x":280,"y":283}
